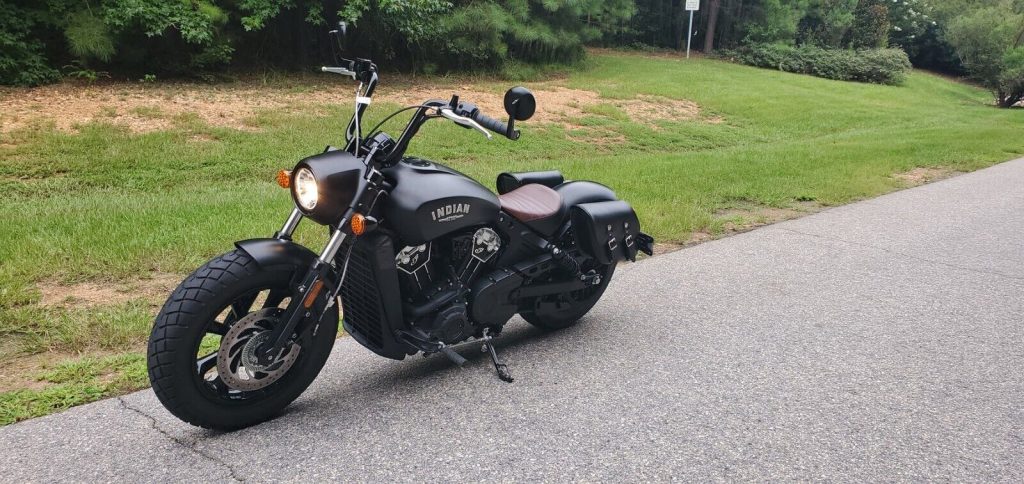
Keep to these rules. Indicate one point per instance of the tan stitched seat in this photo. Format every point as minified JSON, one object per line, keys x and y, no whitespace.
{"x":531,"y":202}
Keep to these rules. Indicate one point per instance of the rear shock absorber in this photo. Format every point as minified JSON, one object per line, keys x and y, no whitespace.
{"x":570,"y":264}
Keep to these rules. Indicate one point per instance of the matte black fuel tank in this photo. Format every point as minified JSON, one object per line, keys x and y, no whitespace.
{"x":429,"y":200}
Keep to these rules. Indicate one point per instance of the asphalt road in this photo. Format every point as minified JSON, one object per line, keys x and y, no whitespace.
{"x":882,"y":340}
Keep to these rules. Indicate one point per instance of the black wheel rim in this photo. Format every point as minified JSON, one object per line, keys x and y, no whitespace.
{"x":207,"y":346}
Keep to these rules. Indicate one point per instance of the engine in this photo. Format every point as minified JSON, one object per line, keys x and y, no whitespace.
{"x":435,"y":278}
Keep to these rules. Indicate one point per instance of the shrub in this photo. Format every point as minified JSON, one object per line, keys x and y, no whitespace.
{"x":990,"y":44}
{"x":871,"y":25}
{"x":880,"y":66}
{"x":22,"y":58}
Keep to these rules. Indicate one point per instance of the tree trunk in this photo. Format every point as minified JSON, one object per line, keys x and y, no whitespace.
{"x":709,"y":34}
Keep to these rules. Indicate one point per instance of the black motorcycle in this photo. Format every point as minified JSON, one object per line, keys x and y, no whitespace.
{"x":422,"y":258}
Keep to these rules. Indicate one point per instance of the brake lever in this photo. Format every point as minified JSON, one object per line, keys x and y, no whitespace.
{"x":339,"y":70}
{"x":464,"y":121}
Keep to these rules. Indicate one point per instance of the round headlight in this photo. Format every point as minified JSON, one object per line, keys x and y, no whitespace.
{"x":306,"y":192}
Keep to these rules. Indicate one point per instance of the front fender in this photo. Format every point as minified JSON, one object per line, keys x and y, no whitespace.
{"x":277,"y":252}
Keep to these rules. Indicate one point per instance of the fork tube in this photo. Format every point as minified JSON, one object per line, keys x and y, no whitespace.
{"x":333,"y":245}
{"x":290,"y":224}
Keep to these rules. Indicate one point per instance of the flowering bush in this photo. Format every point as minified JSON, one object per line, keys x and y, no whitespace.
{"x":910,"y":19}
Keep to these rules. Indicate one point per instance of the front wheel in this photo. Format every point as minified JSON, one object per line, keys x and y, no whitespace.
{"x":201,"y":351}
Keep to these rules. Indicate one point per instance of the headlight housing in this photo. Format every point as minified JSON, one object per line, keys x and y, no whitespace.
{"x":305,"y":189}
{"x":325,"y":186}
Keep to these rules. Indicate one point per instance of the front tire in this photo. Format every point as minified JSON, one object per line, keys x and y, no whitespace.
{"x":198,"y":313}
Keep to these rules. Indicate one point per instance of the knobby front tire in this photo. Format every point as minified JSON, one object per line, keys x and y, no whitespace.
{"x":197,"y":313}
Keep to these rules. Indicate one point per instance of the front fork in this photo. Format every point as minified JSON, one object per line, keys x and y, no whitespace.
{"x":304,"y":296}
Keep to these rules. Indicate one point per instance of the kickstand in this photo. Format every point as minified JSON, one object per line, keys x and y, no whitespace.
{"x":501,"y":368}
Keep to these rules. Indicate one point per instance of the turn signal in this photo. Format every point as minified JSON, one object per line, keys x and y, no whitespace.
{"x":358,"y":224}
{"x":284,"y":178}
{"x":313,"y":293}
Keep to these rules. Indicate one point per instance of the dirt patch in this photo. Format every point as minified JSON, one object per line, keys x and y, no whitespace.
{"x":601,"y":138}
{"x":20,"y":372}
{"x":93,"y":294}
{"x":660,"y":248}
{"x":555,"y":104}
{"x":922,"y":175}
{"x":145,"y":108}
{"x":746,"y":216}
{"x":26,"y":372}
{"x":150,"y":108}
{"x":651,"y":109}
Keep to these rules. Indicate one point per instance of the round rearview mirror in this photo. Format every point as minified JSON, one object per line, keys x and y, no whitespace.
{"x":520,"y":104}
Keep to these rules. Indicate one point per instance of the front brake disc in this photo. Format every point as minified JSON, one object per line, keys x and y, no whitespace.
{"x":237,"y":364}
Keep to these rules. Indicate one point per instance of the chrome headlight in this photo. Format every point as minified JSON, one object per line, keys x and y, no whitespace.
{"x":305,"y":189}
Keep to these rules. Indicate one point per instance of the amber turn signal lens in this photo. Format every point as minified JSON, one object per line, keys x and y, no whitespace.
{"x":358,"y":224}
{"x":313,"y":293}
{"x":284,"y":178}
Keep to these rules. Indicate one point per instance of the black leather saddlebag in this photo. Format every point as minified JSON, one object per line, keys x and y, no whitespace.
{"x":510,"y":181}
{"x":609,"y":231}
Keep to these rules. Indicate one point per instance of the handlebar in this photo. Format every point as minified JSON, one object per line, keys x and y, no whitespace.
{"x":472,"y":112}
{"x":339,"y":70}
{"x":492,"y":124}
{"x":463,"y":121}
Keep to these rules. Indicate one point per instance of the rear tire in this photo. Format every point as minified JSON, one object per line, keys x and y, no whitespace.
{"x":190,"y":316}
{"x":564,"y":310}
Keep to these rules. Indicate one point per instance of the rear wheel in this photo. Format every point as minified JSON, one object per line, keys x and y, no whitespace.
{"x":563,"y":310}
{"x":201,"y":351}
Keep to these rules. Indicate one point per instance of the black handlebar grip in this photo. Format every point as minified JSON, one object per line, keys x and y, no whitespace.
{"x":495,"y":125}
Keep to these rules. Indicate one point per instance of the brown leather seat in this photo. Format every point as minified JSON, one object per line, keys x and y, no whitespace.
{"x":531,"y":202}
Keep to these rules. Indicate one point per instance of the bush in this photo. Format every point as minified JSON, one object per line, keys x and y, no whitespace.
{"x":880,"y":66}
{"x":990,"y":45}
{"x":871,"y":25}
{"x":22,"y":58}
{"x":204,"y":37}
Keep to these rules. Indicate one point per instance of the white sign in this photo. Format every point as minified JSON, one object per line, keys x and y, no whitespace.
{"x":693,"y":5}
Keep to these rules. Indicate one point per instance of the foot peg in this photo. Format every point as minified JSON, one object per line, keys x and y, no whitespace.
{"x":500,"y":367}
{"x":452,"y":355}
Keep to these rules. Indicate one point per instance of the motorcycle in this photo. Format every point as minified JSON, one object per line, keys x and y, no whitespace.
{"x":420,"y":259}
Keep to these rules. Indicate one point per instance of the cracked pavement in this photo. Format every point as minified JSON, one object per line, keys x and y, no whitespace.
{"x":877,"y":341}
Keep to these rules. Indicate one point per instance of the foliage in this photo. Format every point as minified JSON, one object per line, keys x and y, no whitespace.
{"x":774,"y":20}
{"x":78,"y":70}
{"x":201,"y":36}
{"x":196,"y":21}
{"x":826,"y":22}
{"x":89,"y":37}
{"x":990,"y":43}
{"x":870,"y":29}
{"x":880,"y":66}
{"x":910,"y":20}
{"x":22,"y":56}
{"x":655,"y":23}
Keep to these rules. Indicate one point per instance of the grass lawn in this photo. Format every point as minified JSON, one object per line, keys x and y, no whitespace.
{"x":99,"y":218}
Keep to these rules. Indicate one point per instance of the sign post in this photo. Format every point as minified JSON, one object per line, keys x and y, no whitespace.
{"x":692,"y":6}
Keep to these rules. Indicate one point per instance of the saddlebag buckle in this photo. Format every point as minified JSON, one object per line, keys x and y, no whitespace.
{"x":605,"y":231}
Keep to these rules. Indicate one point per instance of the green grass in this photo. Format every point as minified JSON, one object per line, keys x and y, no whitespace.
{"x":75,"y":382}
{"x":108,"y":205}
